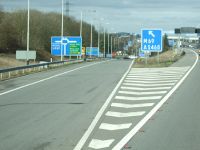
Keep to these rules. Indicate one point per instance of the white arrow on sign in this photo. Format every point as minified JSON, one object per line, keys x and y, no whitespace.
{"x":151,"y":33}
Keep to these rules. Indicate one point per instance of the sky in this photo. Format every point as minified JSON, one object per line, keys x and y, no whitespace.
{"x":122,"y":15}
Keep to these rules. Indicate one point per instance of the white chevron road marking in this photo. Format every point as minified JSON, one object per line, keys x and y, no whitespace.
{"x":122,"y":105}
{"x":107,"y":126}
{"x":122,"y":115}
{"x":142,"y":93}
{"x":149,"y":85}
{"x":99,"y":144}
{"x":138,"y":98}
{"x":145,"y":89}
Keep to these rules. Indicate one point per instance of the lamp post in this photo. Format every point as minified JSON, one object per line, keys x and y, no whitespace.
{"x":27,"y":59}
{"x":81,"y":24}
{"x":61,"y":56}
{"x":91,"y":40}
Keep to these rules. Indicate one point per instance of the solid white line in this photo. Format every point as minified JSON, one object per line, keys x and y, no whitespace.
{"x":145,"y":89}
{"x":149,"y":85}
{"x":150,"y":82}
{"x":99,"y":144}
{"x":123,"y":115}
{"x":111,"y":127}
{"x":138,"y":98}
{"x":122,"y":105}
{"x":45,"y":79}
{"x":100,"y":113}
{"x":127,"y":138}
{"x":142,"y":93}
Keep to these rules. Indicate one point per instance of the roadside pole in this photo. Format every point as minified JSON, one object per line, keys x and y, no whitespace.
{"x":27,"y":58}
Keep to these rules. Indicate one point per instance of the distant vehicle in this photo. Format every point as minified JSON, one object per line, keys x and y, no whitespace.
{"x":126,"y":57}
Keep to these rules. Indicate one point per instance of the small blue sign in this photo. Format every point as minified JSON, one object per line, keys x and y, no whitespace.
{"x":71,"y":46}
{"x":151,"y":40}
{"x":93,"y":51}
{"x":141,"y":54}
{"x":171,"y":43}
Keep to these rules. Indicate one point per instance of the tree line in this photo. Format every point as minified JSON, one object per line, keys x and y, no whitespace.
{"x":13,"y":30}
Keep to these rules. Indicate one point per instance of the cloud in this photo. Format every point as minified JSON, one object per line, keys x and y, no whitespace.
{"x":124,"y":15}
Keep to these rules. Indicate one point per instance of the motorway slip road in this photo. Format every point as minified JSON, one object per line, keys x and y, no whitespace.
{"x":177,"y":125}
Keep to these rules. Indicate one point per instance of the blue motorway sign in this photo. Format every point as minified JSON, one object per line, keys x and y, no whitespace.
{"x":93,"y":51}
{"x":67,"y":46}
{"x":151,"y":40}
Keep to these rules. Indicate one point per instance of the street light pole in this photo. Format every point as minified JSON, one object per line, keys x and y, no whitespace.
{"x":62,"y":32}
{"x":81,"y":25}
{"x":27,"y":59}
{"x":98,"y":39}
{"x":91,"y":40}
{"x":108,"y":44}
{"x":111,"y":47}
{"x":104,"y":42}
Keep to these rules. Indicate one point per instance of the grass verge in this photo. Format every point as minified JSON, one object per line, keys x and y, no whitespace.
{"x":166,"y":59}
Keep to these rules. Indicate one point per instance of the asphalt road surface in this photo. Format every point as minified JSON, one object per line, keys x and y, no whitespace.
{"x":106,"y":105}
{"x":51,"y":110}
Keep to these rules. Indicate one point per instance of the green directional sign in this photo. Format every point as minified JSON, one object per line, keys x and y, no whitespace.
{"x":75,"y":48}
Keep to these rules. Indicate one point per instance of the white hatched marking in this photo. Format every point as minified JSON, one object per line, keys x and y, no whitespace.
{"x":123,"y":115}
{"x":154,"y":76}
{"x":162,"y":69}
{"x":135,"y":81}
{"x":138,"y":98}
{"x":155,"y":79}
{"x":158,"y":77}
{"x":145,"y":89}
{"x":158,"y":73}
{"x":99,"y":144}
{"x":149,"y":85}
{"x":122,"y":105}
{"x":111,"y":127}
{"x":142,"y":93}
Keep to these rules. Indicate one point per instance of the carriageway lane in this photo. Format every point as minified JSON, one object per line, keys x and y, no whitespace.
{"x":55,"y":113}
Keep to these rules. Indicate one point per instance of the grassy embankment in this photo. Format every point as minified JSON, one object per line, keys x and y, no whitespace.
{"x":166,"y":59}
